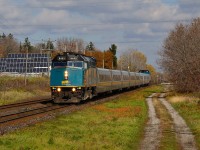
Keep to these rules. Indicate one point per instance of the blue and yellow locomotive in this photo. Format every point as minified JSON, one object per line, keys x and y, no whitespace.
{"x":75,"y":77}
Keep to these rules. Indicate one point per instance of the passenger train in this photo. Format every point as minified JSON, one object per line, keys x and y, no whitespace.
{"x":75,"y":77}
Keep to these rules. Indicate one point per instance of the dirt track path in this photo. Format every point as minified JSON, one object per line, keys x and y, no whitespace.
{"x":153,"y":130}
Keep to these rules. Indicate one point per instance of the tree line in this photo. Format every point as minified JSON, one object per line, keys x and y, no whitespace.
{"x":180,"y":56}
{"x":9,"y":44}
{"x":130,"y":60}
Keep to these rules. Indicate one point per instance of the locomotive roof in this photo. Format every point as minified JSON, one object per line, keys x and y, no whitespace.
{"x":70,"y":56}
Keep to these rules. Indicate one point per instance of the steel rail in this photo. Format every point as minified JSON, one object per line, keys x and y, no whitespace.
{"x":20,"y":115}
{"x":23,"y":103}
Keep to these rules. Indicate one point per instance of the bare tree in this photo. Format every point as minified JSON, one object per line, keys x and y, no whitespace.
{"x":153,"y":72}
{"x":180,"y":55}
{"x":70,"y":45}
{"x":123,"y":61}
{"x":132,"y":60}
{"x":8,"y":44}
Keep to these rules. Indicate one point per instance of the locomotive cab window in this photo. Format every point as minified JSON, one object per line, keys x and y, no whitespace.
{"x":75,"y":64}
{"x":70,"y":63}
{"x":78,"y":64}
{"x":58,"y":64}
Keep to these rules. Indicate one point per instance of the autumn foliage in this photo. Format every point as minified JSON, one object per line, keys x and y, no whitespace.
{"x":121,"y":112}
{"x":104,"y":59}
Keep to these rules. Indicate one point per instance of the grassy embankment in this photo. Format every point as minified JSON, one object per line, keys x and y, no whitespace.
{"x":118,"y":124}
{"x":12,"y":89}
{"x":188,"y":106}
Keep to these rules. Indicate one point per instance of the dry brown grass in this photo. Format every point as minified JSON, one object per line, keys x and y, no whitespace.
{"x":120,"y":112}
{"x":12,"y":89}
{"x":177,"y":99}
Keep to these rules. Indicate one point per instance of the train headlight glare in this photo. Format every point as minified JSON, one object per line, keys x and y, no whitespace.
{"x":73,"y":89}
{"x":66,"y":75}
{"x":58,"y":89}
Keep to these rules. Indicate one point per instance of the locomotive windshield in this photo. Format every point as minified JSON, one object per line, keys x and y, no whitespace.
{"x":68,"y":64}
{"x":75,"y":64}
{"x":59,"y":64}
{"x":70,"y":59}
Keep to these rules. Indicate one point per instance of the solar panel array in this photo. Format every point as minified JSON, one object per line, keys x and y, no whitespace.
{"x":16,"y":63}
{"x":2,"y":64}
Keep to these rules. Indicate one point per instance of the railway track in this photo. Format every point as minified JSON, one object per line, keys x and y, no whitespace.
{"x":17,"y":111}
{"x":26,"y":113}
{"x":14,"y":105}
{"x":12,"y":112}
{"x":19,"y":115}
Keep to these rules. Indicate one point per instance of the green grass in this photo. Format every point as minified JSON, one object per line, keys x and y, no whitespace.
{"x":190,"y":111}
{"x":153,"y":89}
{"x":116,"y":125}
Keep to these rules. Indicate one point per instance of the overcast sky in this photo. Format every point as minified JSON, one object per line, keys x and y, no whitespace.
{"x":135,"y":24}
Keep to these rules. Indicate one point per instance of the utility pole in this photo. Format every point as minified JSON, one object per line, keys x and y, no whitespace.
{"x":25,"y":77}
{"x":103,"y":59}
{"x":49,"y":51}
{"x":76,"y":48}
{"x":65,"y":48}
{"x":128,"y":63}
{"x":112,"y":65}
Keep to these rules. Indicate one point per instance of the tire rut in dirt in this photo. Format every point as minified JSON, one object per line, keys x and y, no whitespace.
{"x":168,"y":136}
{"x":155,"y":133}
{"x":152,"y":130}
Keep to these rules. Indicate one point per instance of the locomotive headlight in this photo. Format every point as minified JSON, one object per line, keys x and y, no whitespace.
{"x":73,"y":89}
{"x":58,"y":89}
{"x":66,"y":75}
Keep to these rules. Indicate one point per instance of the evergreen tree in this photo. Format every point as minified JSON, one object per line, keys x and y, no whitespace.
{"x":20,"y":47}
{"x":3,"y":36}
{"x":49,"y":45}
{"x":90,"y":47}
{"x":10,"y":36}
{"x":113,"y":50}
{"x":27,"y":44}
